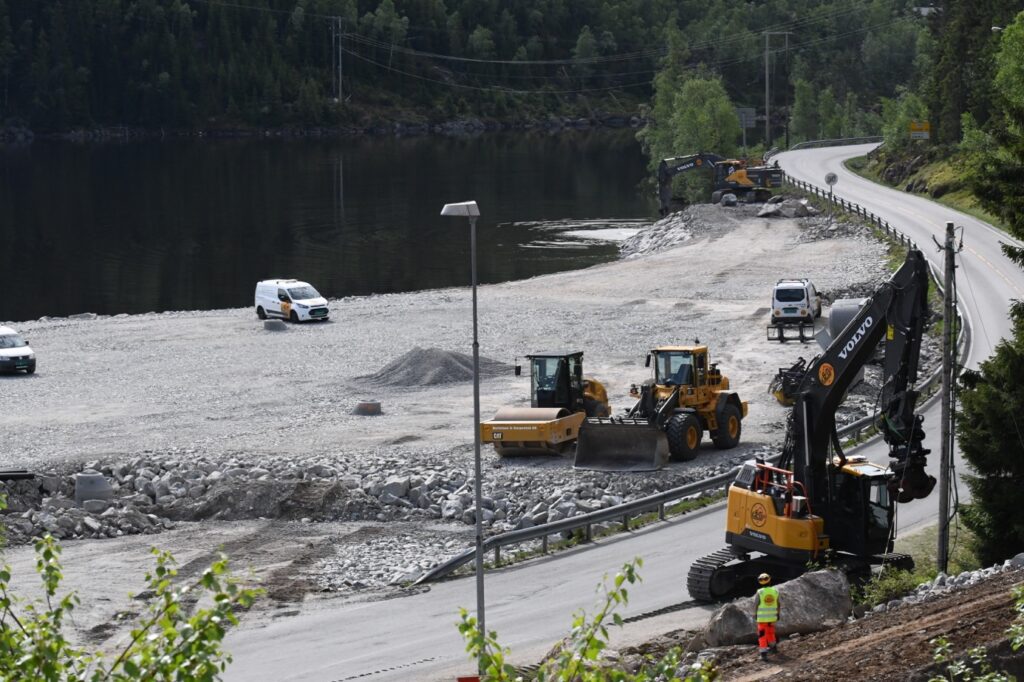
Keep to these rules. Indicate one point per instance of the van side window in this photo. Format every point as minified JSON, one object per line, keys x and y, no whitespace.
{"x":282,"y":295}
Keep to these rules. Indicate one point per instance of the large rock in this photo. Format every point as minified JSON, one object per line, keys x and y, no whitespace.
{"x":812,"y":602}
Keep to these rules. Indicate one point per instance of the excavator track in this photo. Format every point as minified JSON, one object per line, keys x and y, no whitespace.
{"x":702,"y":574}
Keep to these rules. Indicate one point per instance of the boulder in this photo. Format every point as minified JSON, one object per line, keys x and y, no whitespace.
{"x":814,"y":601}
{"x":396,"y":485}
{"x":1017,"y":561}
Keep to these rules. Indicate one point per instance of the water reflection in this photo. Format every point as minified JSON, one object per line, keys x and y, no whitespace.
{"x":194,"y":224}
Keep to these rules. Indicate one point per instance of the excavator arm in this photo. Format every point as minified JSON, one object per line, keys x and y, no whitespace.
{"x":669,"y":168}
{"x":896,"y":313}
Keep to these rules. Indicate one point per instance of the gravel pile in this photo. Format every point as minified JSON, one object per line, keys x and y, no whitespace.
{"x":432,"y":366}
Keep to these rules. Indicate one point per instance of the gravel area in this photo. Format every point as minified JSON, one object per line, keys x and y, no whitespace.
{"x":202,"y":419}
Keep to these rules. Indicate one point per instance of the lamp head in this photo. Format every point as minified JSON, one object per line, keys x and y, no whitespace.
{"x":465,"y":209}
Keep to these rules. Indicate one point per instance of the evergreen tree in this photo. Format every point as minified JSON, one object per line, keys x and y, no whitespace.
{"x":991,"y":429}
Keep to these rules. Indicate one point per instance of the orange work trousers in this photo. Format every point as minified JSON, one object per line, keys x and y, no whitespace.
{"x":765,"y":635}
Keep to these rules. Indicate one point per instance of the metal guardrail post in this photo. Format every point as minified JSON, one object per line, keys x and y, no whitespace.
{"x":544,"y":545}
{"x":625,"y":522}
{"x":661,"y":511}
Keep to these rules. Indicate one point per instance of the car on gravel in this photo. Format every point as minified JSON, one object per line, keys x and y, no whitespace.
{"x":795,"y":300}
{"x":15,"y":353}
{"x":291,"y":300}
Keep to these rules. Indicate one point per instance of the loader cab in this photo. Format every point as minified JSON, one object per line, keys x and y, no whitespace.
{"x":682,"y":366}
{"x":859,"y":518}
{"x":556,"y":380}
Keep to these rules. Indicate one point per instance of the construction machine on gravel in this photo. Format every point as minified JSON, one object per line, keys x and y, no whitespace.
{"x":687,"y":396}
{"x":560,"y":399}
{"x":817,"y":504}
{"x":730,"y":176}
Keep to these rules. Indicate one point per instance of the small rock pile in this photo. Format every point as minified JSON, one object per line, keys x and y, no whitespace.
{"x":943,"y":584}
{"x":35,"y":508}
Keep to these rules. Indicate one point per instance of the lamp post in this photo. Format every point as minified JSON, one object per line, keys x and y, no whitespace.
{"x":470,"y":210}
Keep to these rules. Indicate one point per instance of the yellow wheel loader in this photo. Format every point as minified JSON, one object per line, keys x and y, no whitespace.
{"x":687,"y":396}
{"x":560,"y":399}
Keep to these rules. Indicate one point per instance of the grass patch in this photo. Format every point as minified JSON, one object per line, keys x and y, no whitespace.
{"x":891,"y":584}
{"x":941,"y":176}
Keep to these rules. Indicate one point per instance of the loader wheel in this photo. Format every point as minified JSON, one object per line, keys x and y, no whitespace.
{"x":730,"y":424}
{"x":684,"y":434}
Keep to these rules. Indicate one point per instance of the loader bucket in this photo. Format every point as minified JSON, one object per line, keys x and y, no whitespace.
{"x":620,"y":444}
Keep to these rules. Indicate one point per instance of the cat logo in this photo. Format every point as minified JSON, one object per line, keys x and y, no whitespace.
{"x":826,"y":374}
{"x":758,"y":515}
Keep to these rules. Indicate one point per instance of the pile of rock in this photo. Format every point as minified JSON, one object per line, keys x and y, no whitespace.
{"x":943,"y":584}
{"x":150,"y":493}
{"x":35,"y":508}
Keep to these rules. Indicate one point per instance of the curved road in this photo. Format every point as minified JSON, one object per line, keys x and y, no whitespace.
{"x":530,"y":605}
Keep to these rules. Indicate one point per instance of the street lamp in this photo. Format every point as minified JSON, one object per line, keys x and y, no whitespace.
{"x":470,"y":210}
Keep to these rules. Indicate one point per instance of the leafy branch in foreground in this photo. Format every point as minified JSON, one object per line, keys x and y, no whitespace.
{"x":170,"y":642}
{"x":578,"y":657}
{"x":976,"y":667}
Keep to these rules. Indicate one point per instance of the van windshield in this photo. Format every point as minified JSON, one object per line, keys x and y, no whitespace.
{"x":302,"y":293}
{"x":12,"y":341}
{"x":789,"y":295}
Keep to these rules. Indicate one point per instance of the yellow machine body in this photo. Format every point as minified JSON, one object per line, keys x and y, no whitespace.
{"x":542,"y":430}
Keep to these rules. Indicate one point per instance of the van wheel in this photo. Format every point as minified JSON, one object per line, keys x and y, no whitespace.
{"x":261,"y":313}
{"x":30,"y":370}
{"x":294,"y":317}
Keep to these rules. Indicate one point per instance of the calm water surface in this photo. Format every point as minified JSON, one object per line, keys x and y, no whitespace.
{"x":152,"y":226}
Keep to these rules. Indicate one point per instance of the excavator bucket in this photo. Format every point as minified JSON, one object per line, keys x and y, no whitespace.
{"x":621,"y":444}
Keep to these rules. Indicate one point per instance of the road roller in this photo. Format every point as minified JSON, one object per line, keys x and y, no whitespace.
{"x":560,"y":399}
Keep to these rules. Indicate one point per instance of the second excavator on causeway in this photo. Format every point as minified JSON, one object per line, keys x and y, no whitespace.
{"x":817,"y":503}
{"x":748,"y":183}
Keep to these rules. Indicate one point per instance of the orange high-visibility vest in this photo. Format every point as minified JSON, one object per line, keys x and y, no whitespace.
{"x":767,"y":605}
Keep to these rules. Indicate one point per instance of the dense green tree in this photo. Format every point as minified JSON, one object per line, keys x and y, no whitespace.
{"x":803,"y":122}
{"x":990,"y":430}
{"x":586,"y":49}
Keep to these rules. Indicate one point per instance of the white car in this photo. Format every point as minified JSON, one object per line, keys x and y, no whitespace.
{"x":290,"y":299}
{"x":795,"y":300}
{"x":15,"y":353}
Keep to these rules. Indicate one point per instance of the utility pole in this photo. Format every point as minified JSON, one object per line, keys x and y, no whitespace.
{"x":767,"y":84}
{"x":341,"y":89}
{"x":948,"y":413}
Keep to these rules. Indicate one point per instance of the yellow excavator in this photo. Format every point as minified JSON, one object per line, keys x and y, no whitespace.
{"x":687,"y":396}
{"x":560,"y":399}
{"x":818,"y":504}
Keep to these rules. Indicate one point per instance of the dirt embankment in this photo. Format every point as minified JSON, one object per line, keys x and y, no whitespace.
{"x":893,"y":646}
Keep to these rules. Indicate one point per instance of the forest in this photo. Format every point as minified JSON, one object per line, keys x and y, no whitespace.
{"x":206,"y":64}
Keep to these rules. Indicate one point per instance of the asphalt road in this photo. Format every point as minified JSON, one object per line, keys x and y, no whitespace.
{"x":530,"y":605}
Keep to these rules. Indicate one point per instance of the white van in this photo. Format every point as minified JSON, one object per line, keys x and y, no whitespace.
{"x":15,"y":353}
{"x":290,"y":299}
{"x":795,"y":300}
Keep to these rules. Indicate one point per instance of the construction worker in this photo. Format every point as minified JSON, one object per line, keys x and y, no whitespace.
{"x":767,"y":614}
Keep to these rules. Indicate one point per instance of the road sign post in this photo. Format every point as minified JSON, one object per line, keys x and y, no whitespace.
{"x":830,"y":180}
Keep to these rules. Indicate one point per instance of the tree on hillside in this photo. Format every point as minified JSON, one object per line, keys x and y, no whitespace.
{"x":704,"y":120}
{"x":656,"y":136}
{"x":991,"y":429}
{"x":803,"y":120}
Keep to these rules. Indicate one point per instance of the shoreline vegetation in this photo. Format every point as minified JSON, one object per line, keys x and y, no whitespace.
{"x":15,"y":135}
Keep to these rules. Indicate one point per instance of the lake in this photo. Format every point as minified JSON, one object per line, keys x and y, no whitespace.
{"x":191,"y":224}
